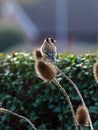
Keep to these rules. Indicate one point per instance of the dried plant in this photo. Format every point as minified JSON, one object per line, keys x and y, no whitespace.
{"x":75,"y":87}
{"x":37,"y":54}
{"x":95,"y":72}
{"x":78,"y":92}
{"x":47,"y":71}
{"x":82,"y":116}
{"x":3,"y":110}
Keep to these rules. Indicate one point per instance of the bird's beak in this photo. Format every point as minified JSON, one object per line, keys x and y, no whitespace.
{"x":54,"y":42}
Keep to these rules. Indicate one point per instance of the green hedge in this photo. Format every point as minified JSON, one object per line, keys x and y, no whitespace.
{"x":23,"y":92}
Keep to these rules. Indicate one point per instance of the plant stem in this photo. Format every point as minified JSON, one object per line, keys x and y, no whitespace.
{"x":81,"y":127}
{"x":68,"y":99}
{"x":19,"y":116}
{"x":78,"y":92}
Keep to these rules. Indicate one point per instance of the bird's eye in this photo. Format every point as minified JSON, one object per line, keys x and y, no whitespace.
{"x":52,"y":40}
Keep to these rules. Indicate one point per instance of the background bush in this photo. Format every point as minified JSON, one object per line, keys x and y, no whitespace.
{"x":23,"y":92}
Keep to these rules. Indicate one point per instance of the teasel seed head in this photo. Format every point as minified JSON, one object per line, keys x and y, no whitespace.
{"x":95,"y":72}
{"x":45,"y":70}
{"x":82,"y":116}
{"x":14,"y":53}
{"x":37,"y":54}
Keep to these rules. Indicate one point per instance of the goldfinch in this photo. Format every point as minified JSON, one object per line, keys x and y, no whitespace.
{"x":49,"y":50}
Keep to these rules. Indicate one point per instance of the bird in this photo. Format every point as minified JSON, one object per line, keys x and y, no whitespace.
{"x":49,"y":50}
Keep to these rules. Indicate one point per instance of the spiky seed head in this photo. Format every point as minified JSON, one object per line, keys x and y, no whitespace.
{"x":95,"y":72}
{"x":37,"y":54}
{"x":15,"y":53}
{"x":45,"y":70}
{"x":82,"y":116}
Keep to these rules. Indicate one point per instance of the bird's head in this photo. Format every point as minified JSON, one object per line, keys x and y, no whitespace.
{"x":50,"y":41}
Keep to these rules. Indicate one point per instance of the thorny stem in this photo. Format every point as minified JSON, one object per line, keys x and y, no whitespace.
{"x":78,"y":92}
{"x":19,"y":116}
{"x":68,"y":99}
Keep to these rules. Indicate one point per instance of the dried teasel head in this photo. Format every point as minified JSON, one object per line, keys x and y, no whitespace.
{"x":15,"y":53}
{"x":37,"y":54}
{"x":45,"y":70}
{"x":95,"y":72}
{"x":82,"y":116}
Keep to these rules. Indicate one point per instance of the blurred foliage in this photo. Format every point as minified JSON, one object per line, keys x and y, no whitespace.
{"x":10,"y":36}
{"x":24,"y":93}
